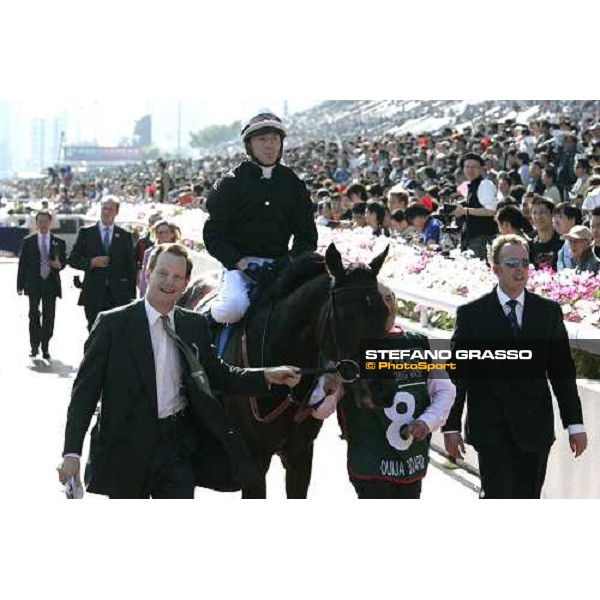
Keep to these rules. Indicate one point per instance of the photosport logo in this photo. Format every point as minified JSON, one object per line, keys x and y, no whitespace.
{"x":419,"y":357}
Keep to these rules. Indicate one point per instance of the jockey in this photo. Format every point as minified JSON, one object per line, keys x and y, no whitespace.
{"x":254,"y":211}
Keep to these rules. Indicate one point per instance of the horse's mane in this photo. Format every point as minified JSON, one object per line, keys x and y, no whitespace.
{"x":304,"y":268}
{"x":304,"y":287}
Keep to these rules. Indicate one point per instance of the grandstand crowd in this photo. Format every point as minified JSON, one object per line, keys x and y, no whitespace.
{"x":541,"y":180}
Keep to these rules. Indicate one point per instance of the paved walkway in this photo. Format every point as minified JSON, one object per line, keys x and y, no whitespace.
{"x":36,"y":396}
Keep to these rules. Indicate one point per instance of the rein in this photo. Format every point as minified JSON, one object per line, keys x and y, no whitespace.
{"x":288,"y":401}
{"x":329,"y":319}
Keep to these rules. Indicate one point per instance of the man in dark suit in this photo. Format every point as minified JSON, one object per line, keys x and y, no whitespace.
{"x":43,"y":256}
{"x":158,"y":434}
{"x":105,"y":252}
{"x":510,"y":420}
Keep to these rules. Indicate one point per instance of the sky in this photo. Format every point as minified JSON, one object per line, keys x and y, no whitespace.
{"x":109,"y":120}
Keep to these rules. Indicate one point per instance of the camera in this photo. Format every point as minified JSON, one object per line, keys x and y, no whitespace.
{"x":447,"y":208}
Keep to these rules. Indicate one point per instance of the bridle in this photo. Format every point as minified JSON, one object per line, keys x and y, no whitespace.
{"x":329,"y":321}
{"x":348,"y":368}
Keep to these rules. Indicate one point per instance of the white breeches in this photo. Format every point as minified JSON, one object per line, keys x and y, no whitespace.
{"x":232,"y":301}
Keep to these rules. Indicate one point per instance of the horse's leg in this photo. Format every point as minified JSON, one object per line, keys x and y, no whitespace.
{"x":297,"y":461}
{"x":258,"y":491}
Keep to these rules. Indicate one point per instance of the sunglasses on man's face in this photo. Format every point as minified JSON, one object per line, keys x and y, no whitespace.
{"x":515,"y":263}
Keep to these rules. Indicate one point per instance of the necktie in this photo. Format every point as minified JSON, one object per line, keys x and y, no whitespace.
{"x":44,"y":259}
{"x":512,"y":316}
{"x":196,"y":369}
{"x":106,"y":239}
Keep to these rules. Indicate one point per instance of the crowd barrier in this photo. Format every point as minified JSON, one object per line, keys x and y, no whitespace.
{"x":11,"y":238}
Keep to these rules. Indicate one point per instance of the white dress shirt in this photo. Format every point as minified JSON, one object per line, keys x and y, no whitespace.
{"x":486,"y":194}
{"x":167,"y":364}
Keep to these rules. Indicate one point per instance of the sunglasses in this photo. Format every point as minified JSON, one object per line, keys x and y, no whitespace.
{"x":515,"y":263}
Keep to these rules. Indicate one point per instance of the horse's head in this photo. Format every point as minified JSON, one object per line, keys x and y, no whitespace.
{"x":355,"y":311}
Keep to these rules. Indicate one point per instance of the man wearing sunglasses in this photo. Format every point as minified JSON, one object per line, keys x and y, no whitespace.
{"x":510,"y":421}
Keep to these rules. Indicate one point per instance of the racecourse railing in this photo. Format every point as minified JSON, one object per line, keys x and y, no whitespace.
{"x":581,"y":337}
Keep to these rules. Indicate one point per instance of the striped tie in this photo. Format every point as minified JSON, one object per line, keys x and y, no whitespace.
{"x":44,"y":260}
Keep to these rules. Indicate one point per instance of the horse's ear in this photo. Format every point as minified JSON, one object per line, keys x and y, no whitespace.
{"x":378,"y":261}
{"x":333,"y":261}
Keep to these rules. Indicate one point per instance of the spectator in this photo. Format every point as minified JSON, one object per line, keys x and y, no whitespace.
{"x":523,"y":167}
{"x":579,"y":189}
{"x":478,"y":225}
{"x":547,"y":242}
{"x":146,"y":242}
{"x":551,"y":190}
{"x":595,"y":227}
{"x":581,"y":240}
{"x":504,"y":184}
{"x":592,"y":200}
{"x":356,"y":193}
{"x":163,"y":232}
{"x":535,"y":185}
{"x":398,"y":221}
{"x":324,"y":213}
{"x":375,"y":215}
{"x":511,"y":221}
{"x":359,"y":218}
{"x":397,"y":198}
{"x":426,"y":225}
{"x":564,"y":218}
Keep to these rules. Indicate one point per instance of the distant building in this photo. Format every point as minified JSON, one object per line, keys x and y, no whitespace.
{"x":5,"y":139}
{"x":142,"y":133}
{"x":44,"y":143}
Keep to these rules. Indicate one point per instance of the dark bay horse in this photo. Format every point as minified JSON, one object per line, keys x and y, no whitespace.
{"x":317,"y":310}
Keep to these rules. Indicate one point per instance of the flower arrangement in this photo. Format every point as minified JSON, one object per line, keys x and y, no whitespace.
{"x":462,"y":276}
{"x":458,"y":275}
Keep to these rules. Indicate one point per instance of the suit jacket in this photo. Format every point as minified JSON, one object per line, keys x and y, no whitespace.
{"x":120,"y":275}
{"x":504,"y":411}
{"x":28,"y":276}
{"x":118,"y":367}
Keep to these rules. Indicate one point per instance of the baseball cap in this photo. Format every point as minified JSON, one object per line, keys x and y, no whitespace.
{"x":579,"y":232}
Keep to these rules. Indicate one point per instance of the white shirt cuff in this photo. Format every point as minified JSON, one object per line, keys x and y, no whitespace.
{"x":72,"y":455}
{"x":578,"y":428}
